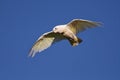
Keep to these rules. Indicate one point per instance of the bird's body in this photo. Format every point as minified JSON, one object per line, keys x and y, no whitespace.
{"x":67,"y":33}
{"x":61,"y":32}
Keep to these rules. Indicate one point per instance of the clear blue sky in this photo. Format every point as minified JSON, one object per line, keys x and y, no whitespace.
{"x":23,"y":21}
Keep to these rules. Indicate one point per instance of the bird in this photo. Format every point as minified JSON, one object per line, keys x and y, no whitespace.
{"x":67,"y":31}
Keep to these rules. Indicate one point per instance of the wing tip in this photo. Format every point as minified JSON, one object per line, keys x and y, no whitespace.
{"x":98,"y":24}
{"x":95,"y":22}
{"x":31,"y":53}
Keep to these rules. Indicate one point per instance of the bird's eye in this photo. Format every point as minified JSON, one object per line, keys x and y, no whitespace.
{"x":55,"y":28}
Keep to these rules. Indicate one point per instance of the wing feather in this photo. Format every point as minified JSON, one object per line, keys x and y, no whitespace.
{"x":45,"y":41}
{"x":78,"y":25}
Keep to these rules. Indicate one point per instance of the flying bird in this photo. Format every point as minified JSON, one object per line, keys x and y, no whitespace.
{"x":62,"y":32}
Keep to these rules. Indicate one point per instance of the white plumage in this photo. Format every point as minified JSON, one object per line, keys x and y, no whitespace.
{"x":60,"y":32}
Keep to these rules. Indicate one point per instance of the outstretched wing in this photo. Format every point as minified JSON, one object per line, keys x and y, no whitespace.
{"x":45,"y":41}
{"x":78,"y":25}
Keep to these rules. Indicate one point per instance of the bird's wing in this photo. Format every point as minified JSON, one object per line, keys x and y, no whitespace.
{"x":45,"y":41}
{"x":78,"y":25}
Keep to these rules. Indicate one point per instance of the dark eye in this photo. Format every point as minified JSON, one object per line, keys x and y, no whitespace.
{"x":55,"y":28}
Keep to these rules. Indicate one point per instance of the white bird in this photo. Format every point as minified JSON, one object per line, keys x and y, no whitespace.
{"x":62,"y":32}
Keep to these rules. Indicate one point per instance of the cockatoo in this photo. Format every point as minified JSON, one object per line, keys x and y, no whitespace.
{"x":62,"y":32}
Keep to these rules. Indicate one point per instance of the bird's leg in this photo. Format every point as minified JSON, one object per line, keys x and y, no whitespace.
{"x":74,"y":41}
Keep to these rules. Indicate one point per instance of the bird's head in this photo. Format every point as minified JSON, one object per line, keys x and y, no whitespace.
{"x":55,"y":28}
{"x":58,"y":29}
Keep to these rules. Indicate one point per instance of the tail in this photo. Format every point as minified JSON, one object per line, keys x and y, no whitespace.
{"x":75,"y":43}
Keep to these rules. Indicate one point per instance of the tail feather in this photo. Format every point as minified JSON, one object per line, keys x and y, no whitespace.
{"x":79,"y":40}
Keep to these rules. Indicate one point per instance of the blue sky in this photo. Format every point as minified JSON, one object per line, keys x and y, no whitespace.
{"x":23,"y":21}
